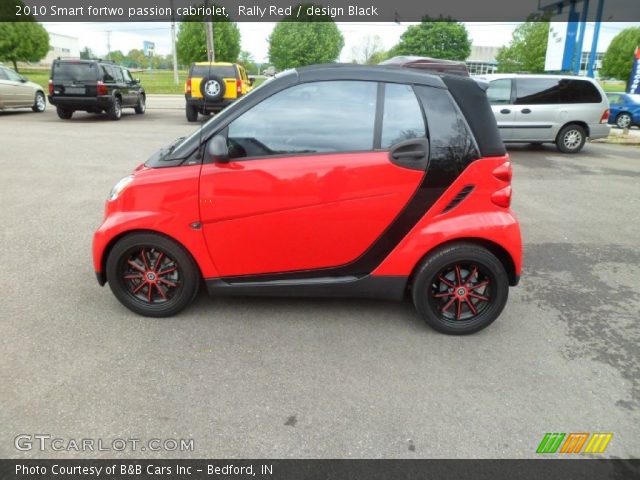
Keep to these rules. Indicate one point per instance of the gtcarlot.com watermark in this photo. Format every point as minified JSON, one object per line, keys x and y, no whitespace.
{"x":48,"y":443}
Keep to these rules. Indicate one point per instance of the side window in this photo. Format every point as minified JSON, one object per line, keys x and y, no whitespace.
{"x":318,"y":117}
{"x":452,"y":146}
{"x":537,"y":91}
{"x":579,"y":91}
{"x":499,"y":92}
{"x":3,"y":75}
{"x":11,"y":75}
{"x":615,"y":99}
{"x":402,"y":117}
{"x":107,"y":74}
{"x":117,"y":74}
{"x":126,"y":75}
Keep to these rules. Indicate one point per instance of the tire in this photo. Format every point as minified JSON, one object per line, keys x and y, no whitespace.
{"x":460,"y":289}
{"x":63,"y":113}
{"x":39,"y":103}
{"x":623,"y":120}
{"x":212,"y":87}
{"x":192,"y":113}
{"x":571,"y":138}
{"x":115,"y":111}
{"x":141,"y":107}
{"x":146,"y":287}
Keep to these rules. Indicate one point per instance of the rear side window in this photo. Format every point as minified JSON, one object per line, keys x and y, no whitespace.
{"x":221,"y":71}
{"x":452,"y":147}
{"x":78,"y":72}
{"x":318,"y":117}
{"x":402,"y":117}
{"x":541,"y":91}
{"x":3,"y":75}
{"x":499,"y":92}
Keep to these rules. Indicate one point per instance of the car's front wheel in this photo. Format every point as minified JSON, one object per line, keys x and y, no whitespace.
{"x":39,"y":103}
{"x":152,"y":275}
{"x":64,"y":113}
{"x":460,"y":289}
{"x":141,"y":107}
{"x":115,"y":112}
{"x":571,"y":138}
{"x":623,"y":120}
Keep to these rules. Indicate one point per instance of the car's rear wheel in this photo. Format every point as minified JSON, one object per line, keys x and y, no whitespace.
{"x":141,"y":107}
{"x":460,"y":289}
{"x":152,"y":275}
{"x":64,"y":113}
{"x":39,"y":104}
{"x":623,"y":120}
{"x":192,"y":113}
{"x":571,"y":138}
{"x":115,"y":112}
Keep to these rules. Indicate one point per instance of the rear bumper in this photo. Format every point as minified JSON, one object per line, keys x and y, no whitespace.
{"x":599,"y":130}
{"x":81,"y":103}
{"x":209,"y":105}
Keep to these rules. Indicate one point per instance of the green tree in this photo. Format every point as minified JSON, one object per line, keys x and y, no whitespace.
{"x":23,"y":42}
{"x":136,"y":58}
{"x":87,"y":54}
{"x":116,"y":56}
{"x":295,"y":42}
{"x":246,"y":60}
{"x":618,"y":59}
{"x":527,"y":50}
{"x":191,"y":43}
{"x":439,"y":38}
{"x":368,"y":51}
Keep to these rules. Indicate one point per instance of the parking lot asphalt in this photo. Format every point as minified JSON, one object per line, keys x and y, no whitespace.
{"x":260,"y":378}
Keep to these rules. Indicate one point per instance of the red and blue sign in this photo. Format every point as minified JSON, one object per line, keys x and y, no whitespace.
{"x":634,"y":79}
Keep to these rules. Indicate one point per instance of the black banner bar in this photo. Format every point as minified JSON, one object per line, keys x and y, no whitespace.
{"x":277,"y":10}
{"x":547,"y":469}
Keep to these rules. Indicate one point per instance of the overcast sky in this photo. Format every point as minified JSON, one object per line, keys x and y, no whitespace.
{"x":125,"y":36}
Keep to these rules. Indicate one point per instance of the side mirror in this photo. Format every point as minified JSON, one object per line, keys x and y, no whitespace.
{"x":217,"y":149}
{"x":23,"y":80}
{"x":252,"y":79}
{"x":136,"y":81}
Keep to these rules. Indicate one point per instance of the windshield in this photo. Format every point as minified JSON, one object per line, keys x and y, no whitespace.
{"x":179,"y":150}
{"x":224,"y":71}
{"x":75,"y":72}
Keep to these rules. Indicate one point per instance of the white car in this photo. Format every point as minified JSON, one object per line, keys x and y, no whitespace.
{"x":560,"y":109}
{"x":18,"y":92}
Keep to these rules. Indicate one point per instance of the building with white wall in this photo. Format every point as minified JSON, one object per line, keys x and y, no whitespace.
{"x":62,"y":46}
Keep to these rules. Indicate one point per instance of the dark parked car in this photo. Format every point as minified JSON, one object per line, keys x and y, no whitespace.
{"x":361,"y":182}
{"x":625,"y":109}
{"x":94,"y":86}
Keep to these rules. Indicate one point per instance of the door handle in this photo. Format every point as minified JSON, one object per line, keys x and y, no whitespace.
{"x":505,"y":111}
{"x":409,"y":154}
{"x":526,"y":110}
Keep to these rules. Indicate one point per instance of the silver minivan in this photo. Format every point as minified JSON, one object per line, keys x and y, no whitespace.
{"x":565,"y":110}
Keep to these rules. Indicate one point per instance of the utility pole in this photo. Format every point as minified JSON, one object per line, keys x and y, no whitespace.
{"x":108,"y":44}
{"x":173,"y":46}
{"x":209,"y":28}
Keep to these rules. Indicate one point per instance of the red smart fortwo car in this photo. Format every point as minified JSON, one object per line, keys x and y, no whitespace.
{"x":338,"y":181}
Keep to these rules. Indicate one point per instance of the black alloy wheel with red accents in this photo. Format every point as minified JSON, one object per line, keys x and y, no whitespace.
{"x":460,"y":289}
{"x":152,"y":275}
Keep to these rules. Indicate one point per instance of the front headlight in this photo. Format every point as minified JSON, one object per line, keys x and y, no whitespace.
{"x":119,"y":187}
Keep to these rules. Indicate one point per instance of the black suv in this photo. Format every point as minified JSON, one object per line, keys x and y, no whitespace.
{"x":94,"y":86}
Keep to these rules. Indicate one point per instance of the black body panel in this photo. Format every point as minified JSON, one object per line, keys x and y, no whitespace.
{"x":378,"y":287}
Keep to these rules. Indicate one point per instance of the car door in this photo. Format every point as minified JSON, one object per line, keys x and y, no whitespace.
{"x":304,"y":189}
{"x":538,"y":109}
{"x":14,"y":91}
{"x":499,"y":94}
{"x":131,"y":86}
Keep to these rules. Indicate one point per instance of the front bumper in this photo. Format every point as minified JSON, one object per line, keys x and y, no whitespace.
{"x":81,"y":103}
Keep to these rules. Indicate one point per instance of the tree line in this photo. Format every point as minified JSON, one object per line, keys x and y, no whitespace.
{"x":296,"y":42}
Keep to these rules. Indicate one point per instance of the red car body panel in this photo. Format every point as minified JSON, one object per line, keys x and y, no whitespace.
{"x":476,"y":217}
{"x":273,"y":215}
{"x":163,"y":200}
